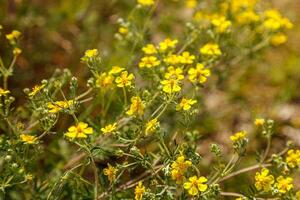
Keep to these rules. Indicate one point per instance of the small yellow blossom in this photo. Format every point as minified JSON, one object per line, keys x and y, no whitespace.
{"x":196,"y":185}
{"x":110,"y":172}
{"x":186,"y":58}
{"x":284,"y":184}
{"x":210,"y":49}
{"x":239,"y":136}
{"x":149,"y":61}
{"x":198,"y":74}
{"x":174,"y":73}
{"x":264,"y":181}
{"x":278,"y":39}
{"x":259,"y":121}
{"x":17,"y":51}
{"x":221,"y":24}
{"x":3,"y":92}
{"x":36,"y":89}
{"x":185,"y":104}
{"x":116,"y":70}
{"x":151,"y":125}
{"x":139,"y":191}
{"x":57,"y":106}
{"x":172,"y":59}
{"x":124,"y":79}
{"x":123,"y":30}
{"x":104,"y":80}
{"x":137,"y":106}
{"x":81,"y":130}
{"x":274,"y":20}
{"x":247,"y":17}
{"x":145,"y":2}
{"x":91,"y":53}
{"x":171,"y":85}
{"x":109,"y":128}
{"x":13,"y":35}
{"x":28,"y":139}
{"x":293,"y":158}
{"x":238,"y":5}
{"x":190,"y":3}
{"x":167,"y":44}
{"x":178,"y":168}
{"x":149,"y":49}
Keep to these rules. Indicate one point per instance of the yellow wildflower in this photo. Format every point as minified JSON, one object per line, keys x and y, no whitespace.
{"x":149,"y":49}
{"x":174,"y":73}
{"x":190,"y":3}
{"x":57,"y":106}
{"x":247,"y":17}
{"x":293,"y":158}
{"x":3,"y":92}
{"x":13,"y":35}
{"x":185,"y":104}
{"x":198,"y":74}
{"x":274,"y":20}
{"x":149,"y":61}
{"x":170,"y":85}
{"x":17,"y":51}
{"x":104,"y":80}
{"x":81,"y":130}
{"x":28,"y":139}
{"x":91,"y":53}
{"x":123,"y":30}
{"x":172,"y":59}
{"x":124,"y":79}
{"x":195,"y":185}
{"x":238,"y":136}
{"x":152,"y":125}
{"x":284,"y":184}
{"x":145,"y":2}
{"x":238,"y":5}
{"x":36,"y":89}
{"x":221,"y":24}
{"x":116,"y":70}
{"x":278,"y":39}
{"x":259,"y":121}
{"x":186,"y":58}
{"x":110,"y":172}
{"x":167,"y":44}
{"x":210,"y":49}
{"x":137,"y":106}
{"x":139,"y":191}
{"x":179,"y":167}
{"x":109,"y":128}
{"x":263,"y":181}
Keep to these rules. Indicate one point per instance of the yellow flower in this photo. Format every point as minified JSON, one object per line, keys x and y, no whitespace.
{"x":278,"y":39}
{"x":263,"y":181}
{"x":221,"y":24}
{"x":110,"y":172}
{"x":247,"y":17}
{"x":139,"y":191}
{"x":35,"y":90}
{"x":123,"y":30}
{"x":195,"y":185}
{"x":57,"y":106}
{"x":149,"y":49}
{"x":210,"y":49}
{"x":170,"y":86}
{"x":116,"y":70}
{"x":274,"y":21}
{"x":191,"y":3}
{"x":167,"y":44}
{"x":3,"y":92}
{"x":81,"y":130}
{"x":259,"y":121}
{"x":238,"y":136}
{"x":185,"y":104}
{"x":238,"y":5}
{"x":28,"y":139}
{"x":124,"y":79}
{"x":149,"y":61}
{"x":17,"y":51}
{"x":104,"y":80}
{"x":13,"y":35}
{"x":91,"y":53}
{"x":293,"y":158}
{"x":109,"y":128}
{"x":174,"y":73}
{"x":198,"y":74}
{"x":284,"y":184}
{"x":137,"y":106}
{"x":152,"y":125}
{"x":178,"y":168}
{"x":172,"y":59}
{"x":145,"y":2}
{"x":186,"y":58}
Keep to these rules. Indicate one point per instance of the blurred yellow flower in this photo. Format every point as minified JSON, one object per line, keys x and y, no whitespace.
{"x":210,"y":49}
{"x":81,"y":130}
{"x":137,"y":106}
{"x":116,"y":70}
{"x":17,"y":51}
{"x":139,"y":191}
{"x":124,"y":79}
{"x":167,"y":44}
{"x":3,"y":92}
{"x":259,"y":121}
{"x":221,"y":24}
{"x":57,"y":106}
{"x":172,"y":59}
{"x":149,"y":49}
{"x":109,"y":128}
{"x":247,"y":17}
{"x":198,"y":74}
{"x":123,"y":30}
{"x":185,"y":104}
{"x":186,"y":58}
{"x":196,"y":185}
{"x":239,"y":136}
{"x":145,"y":2}
{"x":293,"y":158}
{"x":28,"y":139}
{"x":91,"y":53}
{"x":149,"y":61}
{"x":151,"y":125}
{"x":174,"y":73}
{"x":104,"y":80}
{"x":264,"y":181}
{"x":278,"y":39}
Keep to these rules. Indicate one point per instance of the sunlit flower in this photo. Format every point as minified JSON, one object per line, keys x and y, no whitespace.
{"x":110,"y":128}
{"x":15,"y":34}
{"x":145,"y":2}
{"x":104,"y":80}
{"x":264,"y":181}
{"x":36,"y":89}
{"x":149,"y":61}
{"x":110,"y":172}
{"x":211,"y":49}
{"x":123,"y":30}
{"x":191,"y":3}
{"x":239,"y":136}
{"x":171,"y":85}
{"x":196,"y":185}
{"x":149,"y":49}
{"x":81,"y":130}
{"x":274,"y":20}
{"x":91,"y":53}
{"x":116,"y":70}
{"x":17,"y":51}
{"x":58,"y":106}
{"x":198,"y":74}
{"x":137,"y":106}
{"x":124,"y":79}
{"x":186,"y":58}
{"x":174,"y":73}
{"x":3,"y":92}
{"x":151,"y":125}
{"x":28,"y":139}
{"x":293,"y":158}
{"x":185,"y":104}
{"x":284,"y":184}
{"x":278,"y":39}
{"x":259,"y":121}
{"x":172,"y":59}
{"x":167,"y":44}
{"x":139,"y":191}
{"x":247,"y":17}
{"x":221,"y":24}
{"x":179,"y":167}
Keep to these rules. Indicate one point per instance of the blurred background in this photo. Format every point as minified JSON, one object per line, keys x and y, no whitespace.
{"x":55,"y":34}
